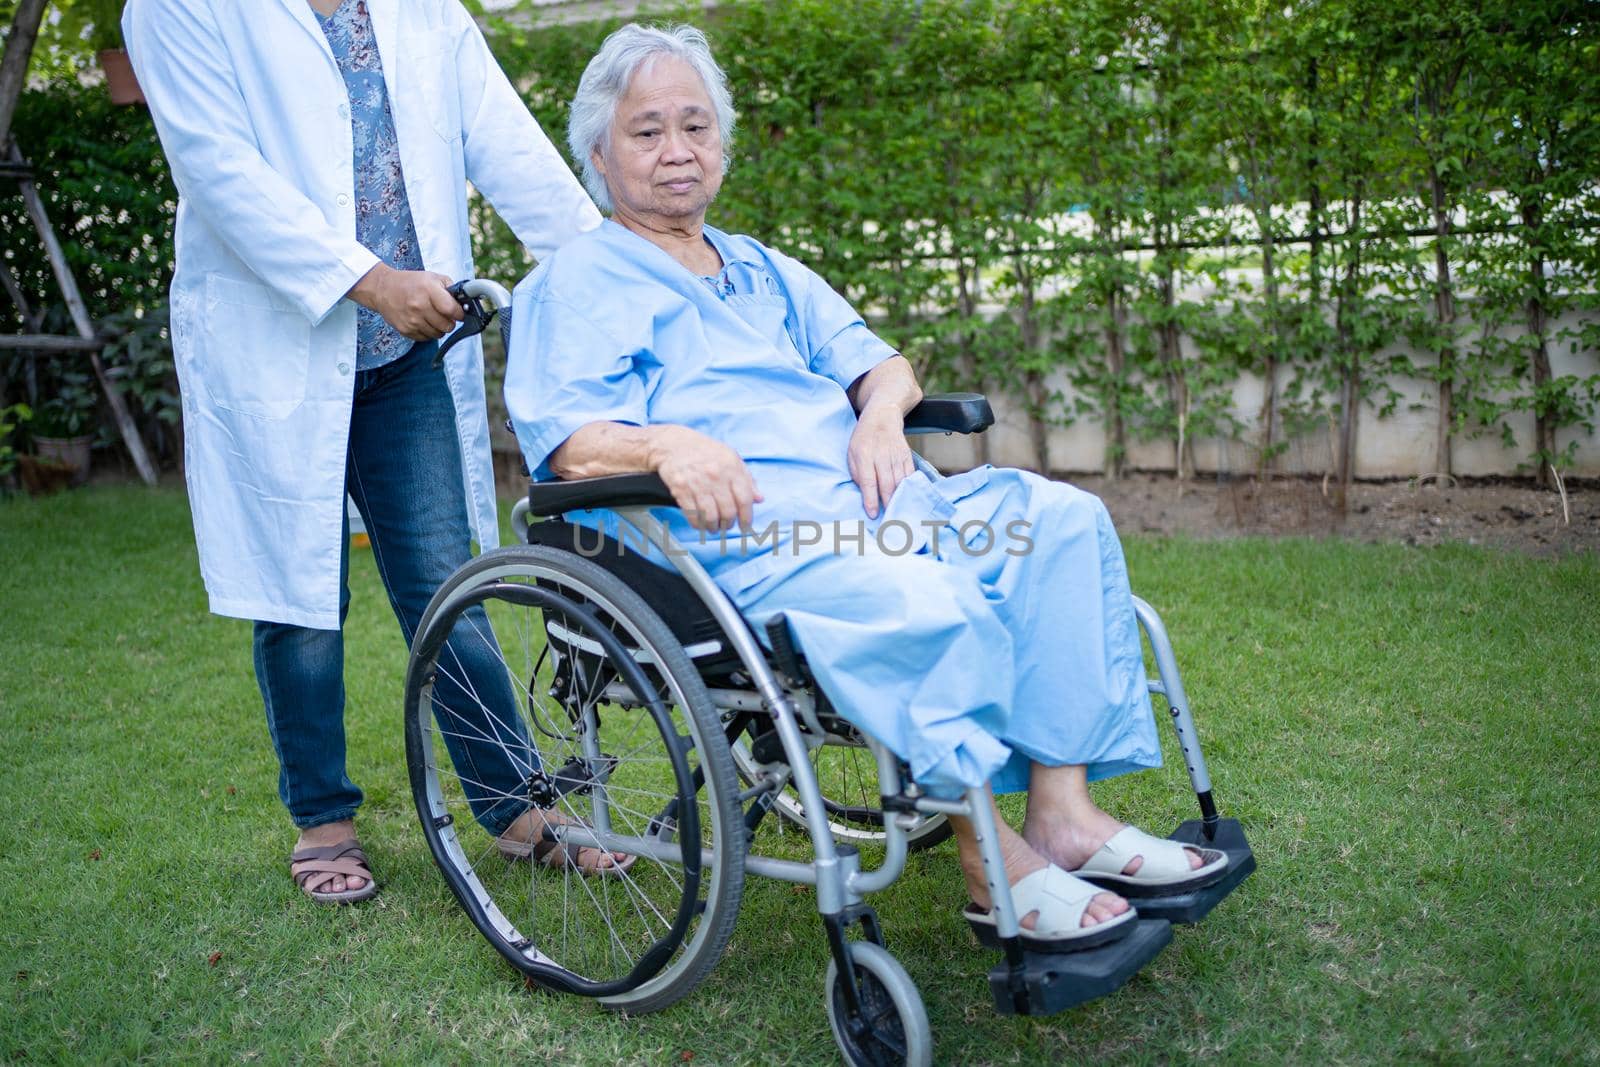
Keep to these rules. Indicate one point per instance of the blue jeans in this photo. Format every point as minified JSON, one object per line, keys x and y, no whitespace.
{"x":404,"y":472}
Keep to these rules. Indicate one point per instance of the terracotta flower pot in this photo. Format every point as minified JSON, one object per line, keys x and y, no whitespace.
{"x":120,"y":81}
{"x":41,"y":475}
{"x":69,"y":452}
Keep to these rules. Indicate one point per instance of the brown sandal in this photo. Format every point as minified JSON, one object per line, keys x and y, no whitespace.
{"x":555,"y":855}
{"x":313,"y":867}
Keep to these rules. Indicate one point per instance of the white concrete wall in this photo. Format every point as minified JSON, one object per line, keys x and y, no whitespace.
{"x":1400,"y":445}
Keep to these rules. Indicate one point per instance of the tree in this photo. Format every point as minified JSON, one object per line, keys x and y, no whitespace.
{"x":1545,"y":151}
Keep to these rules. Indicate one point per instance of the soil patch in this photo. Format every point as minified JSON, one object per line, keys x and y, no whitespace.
{"x":1501,"y":514}
{"x":1504,"y":514}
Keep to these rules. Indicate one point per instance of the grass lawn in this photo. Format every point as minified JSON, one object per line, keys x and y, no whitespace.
{"x":1409,"y":735}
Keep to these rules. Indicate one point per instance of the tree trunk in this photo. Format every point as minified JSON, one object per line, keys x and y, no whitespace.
{"x":1313,"y":310}
{"x":1261,"y":211}
{"x":1350,"y":360}
{"x":1038,"y":429}
{"x":1269,"y":372}
{"x":966,"y":292}
{"x":1168,"y":348}
{"x":1538,"y":318}
{"x":1177,"y":382}
{"x":1036,"y":391}
{"x":1444,"y":310}
{"x":1435,"y":89}
{"x":1116,"y":445}
{"x":1116,"y":448}
{"x":967,"y":302}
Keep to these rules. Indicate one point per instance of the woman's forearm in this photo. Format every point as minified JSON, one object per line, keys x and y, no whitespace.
{"x":891,"y":385}
{"x":602,"y":448}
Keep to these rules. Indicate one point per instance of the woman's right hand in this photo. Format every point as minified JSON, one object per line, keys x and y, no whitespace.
{"x":415,"y":302}
{"x":709,"y":481}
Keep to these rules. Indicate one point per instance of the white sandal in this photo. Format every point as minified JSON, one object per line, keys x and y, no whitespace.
{"x":1060,"y":899}
{"x":1165,"y":869}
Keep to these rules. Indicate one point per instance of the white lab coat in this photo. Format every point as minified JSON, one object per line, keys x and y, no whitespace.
{"x":254,"y":117}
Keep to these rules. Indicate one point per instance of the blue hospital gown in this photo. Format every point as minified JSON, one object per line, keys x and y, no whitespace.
{"x":967,"y":663}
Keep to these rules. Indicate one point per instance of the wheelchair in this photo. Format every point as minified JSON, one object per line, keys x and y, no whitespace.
{"x":653,"y":718}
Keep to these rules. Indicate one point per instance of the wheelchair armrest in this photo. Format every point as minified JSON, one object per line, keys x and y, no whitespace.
{"x":950,"y":413}
{"x":548,"y":499}
{"x":939,"y":413}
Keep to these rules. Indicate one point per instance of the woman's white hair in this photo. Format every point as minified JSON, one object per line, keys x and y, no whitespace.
{"x":605,"y":82}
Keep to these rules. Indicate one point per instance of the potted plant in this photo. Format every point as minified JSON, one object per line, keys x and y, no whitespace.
{"x":98,"y":23}
{"x":63,"y":426}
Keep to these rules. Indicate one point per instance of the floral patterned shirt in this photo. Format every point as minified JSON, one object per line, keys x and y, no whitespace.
{"x":383,"y":214}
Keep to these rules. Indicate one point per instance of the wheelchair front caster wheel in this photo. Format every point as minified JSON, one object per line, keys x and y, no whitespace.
{"x":890,"y":1026}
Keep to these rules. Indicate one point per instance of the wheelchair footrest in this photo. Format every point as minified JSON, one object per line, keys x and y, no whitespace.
{"x":1193,"y":906}
{"x":1058,"y":982}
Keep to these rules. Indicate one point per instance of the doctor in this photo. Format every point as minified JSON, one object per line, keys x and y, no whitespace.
{"x":321,"y":151}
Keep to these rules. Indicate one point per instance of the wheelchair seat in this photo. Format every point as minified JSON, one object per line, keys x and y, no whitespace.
{"x":667,"y":593}
{"x":844,"y":766}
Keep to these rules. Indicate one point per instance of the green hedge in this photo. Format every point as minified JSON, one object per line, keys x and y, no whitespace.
{"x":1165,"y":195}
{"x":1159,"y":197}
{"x":105,"y":187}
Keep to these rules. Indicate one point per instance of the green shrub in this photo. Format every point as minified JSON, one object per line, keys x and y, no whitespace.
{"x":1140,"y":201}
{"x":12,"y":419}
{"x":105,"y":185}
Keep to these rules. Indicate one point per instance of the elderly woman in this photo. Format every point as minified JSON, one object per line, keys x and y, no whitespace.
{"x":659,"y":343}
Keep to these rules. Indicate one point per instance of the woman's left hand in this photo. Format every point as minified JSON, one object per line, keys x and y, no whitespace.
{"x":879,"y":457}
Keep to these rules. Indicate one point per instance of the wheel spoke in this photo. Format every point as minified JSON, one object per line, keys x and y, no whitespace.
{"x":614,"y":766}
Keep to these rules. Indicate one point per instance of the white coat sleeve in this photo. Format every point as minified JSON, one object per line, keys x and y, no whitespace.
{"x":508,"y":157}
{"x":182,"y":64}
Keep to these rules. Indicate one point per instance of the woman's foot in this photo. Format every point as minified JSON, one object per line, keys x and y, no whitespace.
{"x":323,"y":836}
{"x":1069,"y":841}
{"x":1021,"y":860}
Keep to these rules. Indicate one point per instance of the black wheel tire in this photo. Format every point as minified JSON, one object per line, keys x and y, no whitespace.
{"x":892,"y":1005}
{"x":535,"y":581}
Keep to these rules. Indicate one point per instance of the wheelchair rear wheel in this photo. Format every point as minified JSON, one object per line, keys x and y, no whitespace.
{"x":607,"y":723}
{"x":847,"y":775}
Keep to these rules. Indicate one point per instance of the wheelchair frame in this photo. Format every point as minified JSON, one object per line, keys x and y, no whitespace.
{"x":1023,"y":982}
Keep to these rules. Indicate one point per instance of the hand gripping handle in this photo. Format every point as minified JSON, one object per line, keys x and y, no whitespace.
{"x":471,"y":294}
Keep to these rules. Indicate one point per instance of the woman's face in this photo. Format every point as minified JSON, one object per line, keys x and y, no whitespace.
{"x":663,"y":162}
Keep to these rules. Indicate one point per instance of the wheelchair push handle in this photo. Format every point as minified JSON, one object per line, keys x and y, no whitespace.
{"x":471,"y":295}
